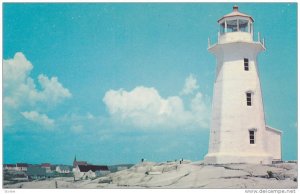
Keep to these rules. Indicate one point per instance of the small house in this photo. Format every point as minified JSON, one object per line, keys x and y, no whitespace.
{"x":63,"y":169}
{"x":90,"y":171}
{"x":9,"y":167}
{"x":21,"y":167}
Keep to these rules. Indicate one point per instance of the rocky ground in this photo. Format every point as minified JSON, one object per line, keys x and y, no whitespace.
{"x":185,"y":175}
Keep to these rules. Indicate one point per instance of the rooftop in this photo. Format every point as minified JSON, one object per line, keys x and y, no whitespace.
{"x":46,"y":165}
{"x":9,"y":165}
{"x":235,"y":12}
{"x":86,"y":168}
{"x":22,"y":165}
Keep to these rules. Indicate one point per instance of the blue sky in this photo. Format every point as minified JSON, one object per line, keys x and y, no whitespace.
{"x":114,"y":83}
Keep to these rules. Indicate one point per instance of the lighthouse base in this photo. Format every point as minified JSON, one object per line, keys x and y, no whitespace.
{"x":229,"y":158}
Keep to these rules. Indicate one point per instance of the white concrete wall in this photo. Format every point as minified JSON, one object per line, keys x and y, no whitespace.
{"x":274,"y":142}
{"x":231,"y":117}
{"x":236,"y":36}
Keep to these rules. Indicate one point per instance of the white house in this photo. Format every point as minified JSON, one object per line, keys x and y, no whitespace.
{"x":90,"y":171}
{"x":63,"y":169}
{"x":21,"y":167}
{"x":238,"y":131}
{"x":9,"y":167}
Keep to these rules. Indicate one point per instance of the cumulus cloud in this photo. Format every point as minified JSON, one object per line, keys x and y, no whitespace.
{"x":53,"y":91}
{"x":190,"y":85}
{"x":20,"y":89}
{"x":21,"y":93}
{"x":144,"y":108}
{"x":38,"y":118}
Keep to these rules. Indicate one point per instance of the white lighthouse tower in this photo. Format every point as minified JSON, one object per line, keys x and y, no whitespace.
{"x":238,"y":131}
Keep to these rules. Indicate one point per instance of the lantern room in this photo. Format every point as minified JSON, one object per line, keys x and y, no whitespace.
{"x":236,"y":26}
{"x":236,"y":22}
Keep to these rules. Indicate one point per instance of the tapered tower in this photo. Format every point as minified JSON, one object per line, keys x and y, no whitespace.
{"x":238,"y":131}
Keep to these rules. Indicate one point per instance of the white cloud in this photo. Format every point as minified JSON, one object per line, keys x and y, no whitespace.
{"x":144,"y":108}
{"x":20,"y":92}
{"x":53,"y":91}
{"x":20,"y":89}
{"x":73,"y":117}
{"x":190,"y":85}
{"x":16,"y":70}
{"x":36,"y":117}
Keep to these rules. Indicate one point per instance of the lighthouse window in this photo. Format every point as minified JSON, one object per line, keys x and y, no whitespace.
{"x":249,"y":98}
{"x":243,"y":25}
{"x":232,"y":26}
{"x":246,"y":64}
{"x":252,"y":136}
{"x":222,"y":28}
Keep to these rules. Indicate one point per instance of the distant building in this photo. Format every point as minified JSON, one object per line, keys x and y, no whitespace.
{"x":76,"y":163}
{"x":119,"y":168}
{"x":21,"y":167}
{"x":90,"y":171}
{"x":46,"y":166}
{"x":19,"y":175}
{"x":63,"y":169}
{"x":9,"y":166}
{"x":36,"y":172}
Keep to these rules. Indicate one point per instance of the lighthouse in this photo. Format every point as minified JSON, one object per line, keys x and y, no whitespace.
{"x":238,"y":132}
